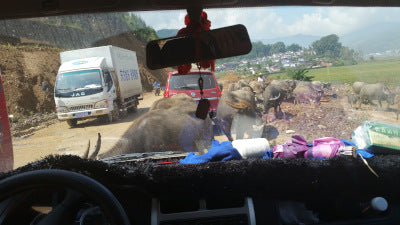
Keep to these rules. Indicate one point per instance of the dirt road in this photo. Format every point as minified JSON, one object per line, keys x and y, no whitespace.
{"x":59,"y":138}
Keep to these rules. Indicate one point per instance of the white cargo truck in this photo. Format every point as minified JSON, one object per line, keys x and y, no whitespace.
{"x":97,"y":82}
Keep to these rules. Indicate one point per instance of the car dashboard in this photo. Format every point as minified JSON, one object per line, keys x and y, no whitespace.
{"x":159,"y":190}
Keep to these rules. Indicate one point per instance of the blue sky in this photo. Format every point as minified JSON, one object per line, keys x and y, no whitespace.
{"x":275,"y":22}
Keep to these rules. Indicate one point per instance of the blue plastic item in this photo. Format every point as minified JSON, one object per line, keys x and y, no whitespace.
{"x":218,"y":152}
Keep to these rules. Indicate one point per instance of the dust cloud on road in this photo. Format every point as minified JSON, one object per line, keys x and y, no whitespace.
{"x":59,"y":138}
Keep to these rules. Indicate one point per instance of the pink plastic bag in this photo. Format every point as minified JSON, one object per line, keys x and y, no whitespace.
{"x":323,"y":148}
{"x":291,"y":149}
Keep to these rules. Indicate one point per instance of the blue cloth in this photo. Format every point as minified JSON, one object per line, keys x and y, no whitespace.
{"x":268,"y":154}
{"x":362,"y":152}
{"x":218,"y":152}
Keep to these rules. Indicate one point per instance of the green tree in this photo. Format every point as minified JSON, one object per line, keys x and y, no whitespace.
{"x":278,"y":47}
{"x":328,"y":46}
{"x":348,"y":56}
{"x":300,"y":74}
{"x":293,"y":47}
{"x":146,"y":34}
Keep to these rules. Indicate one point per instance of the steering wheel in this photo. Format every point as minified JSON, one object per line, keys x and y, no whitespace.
{"x":77,"y":187}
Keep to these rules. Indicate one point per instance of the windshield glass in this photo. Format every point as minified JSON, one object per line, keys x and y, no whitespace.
{"x":312,"y":71}
{"x":86,"y":82}
{"x":190,"y":82}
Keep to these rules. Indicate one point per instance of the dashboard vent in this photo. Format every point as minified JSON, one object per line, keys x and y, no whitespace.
{"x":243,"y":214}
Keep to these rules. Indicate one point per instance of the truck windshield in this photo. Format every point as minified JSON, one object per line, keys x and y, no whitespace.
{"x":190,"y":82}
{"x":78,"y":83}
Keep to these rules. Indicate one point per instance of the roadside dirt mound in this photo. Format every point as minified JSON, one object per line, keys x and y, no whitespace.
{"x":231,"y":77}
{"x":23,"y":71}
{"x":25,"y":67}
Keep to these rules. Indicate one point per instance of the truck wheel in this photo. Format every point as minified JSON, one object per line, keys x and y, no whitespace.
{"x":132,"y":109}
{"x":115,"y":114}
{"x":72,"y":122}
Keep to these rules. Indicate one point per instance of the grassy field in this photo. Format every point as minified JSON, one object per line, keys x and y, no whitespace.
{"x":385,"y":71}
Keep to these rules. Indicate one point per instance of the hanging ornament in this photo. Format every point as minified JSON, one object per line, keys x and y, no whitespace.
{"x":195,"y":28}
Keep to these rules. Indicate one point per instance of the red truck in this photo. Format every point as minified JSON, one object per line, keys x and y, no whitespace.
{"x":6,"y":150}
{"x":188,"y":84}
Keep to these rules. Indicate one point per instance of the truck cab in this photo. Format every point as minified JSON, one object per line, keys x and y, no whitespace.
{"x":84,"y":88}
{"x":97,"y":82}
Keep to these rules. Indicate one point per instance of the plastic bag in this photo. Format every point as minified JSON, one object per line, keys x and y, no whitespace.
{"x":377,"y":137}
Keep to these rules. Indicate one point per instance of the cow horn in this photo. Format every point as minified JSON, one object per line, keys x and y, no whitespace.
{"x":241,"y":104}
{"x":96,"y":150}
{"x":86,"y":154}
{"x":275,"y":98}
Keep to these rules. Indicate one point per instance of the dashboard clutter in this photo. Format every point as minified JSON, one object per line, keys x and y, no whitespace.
{"x":377,"y":137}
{"x":298,"y":147}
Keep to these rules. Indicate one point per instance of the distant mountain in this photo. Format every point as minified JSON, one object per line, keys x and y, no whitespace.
{"x":375,"y":38}
{"x":164,"y":33}
{"x":300,"y":39}
{"x":371,"y":39}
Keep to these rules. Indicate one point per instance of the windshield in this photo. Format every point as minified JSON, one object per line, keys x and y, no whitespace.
{"x":85,"y":82}
{"x":190,"y":82}
{"x":312,"y":71}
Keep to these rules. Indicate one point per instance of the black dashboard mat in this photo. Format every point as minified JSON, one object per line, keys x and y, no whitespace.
{"x":272,"y":178}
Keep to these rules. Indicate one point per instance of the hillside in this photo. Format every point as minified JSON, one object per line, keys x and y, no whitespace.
{"x":375,"y":38}
{"x":164,"y":33}
{"x":27,"y":57}
{"x":371,"y":39}
{"x":300,"y":39}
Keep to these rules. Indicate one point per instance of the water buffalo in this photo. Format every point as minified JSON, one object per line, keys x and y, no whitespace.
{"x":238,"y":108}
{"x":306,"y":92}
{"x":179,"y":100}
{"x":258,"y":88}
{"x":397,"y":101}
{"x":239,"y":85}
{"x":276,"y":92}
{"x":352,"y":99}
{"x":376,"y":91}
{"x":357,"y":86}
{"x":169,"y":126}
{"x":321,"y":85}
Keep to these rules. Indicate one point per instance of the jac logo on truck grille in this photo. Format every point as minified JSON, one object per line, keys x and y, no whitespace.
{"x":79,"y":62}
{"x":77,"y":94}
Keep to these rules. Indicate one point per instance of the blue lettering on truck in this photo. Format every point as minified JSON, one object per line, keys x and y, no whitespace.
{"x":129,"y":74}
{"x":79,"y":62}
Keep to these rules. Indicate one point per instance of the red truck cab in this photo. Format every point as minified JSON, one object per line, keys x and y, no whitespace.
{"x":6,"y":150}
{"x":188,"y":84}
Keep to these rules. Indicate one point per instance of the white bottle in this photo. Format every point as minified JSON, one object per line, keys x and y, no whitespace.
{"x":251,"y":148}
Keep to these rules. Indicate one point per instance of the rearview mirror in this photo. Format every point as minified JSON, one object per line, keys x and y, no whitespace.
{"x":213,"y":44}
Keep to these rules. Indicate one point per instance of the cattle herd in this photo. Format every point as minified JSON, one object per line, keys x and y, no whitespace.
{"x":365,"y":93}
{"x":170,"y":123}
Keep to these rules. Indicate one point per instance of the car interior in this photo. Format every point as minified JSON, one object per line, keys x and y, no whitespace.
{"x":154,"y":188}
